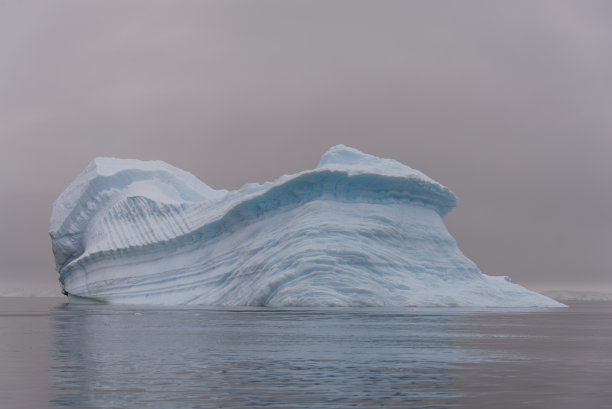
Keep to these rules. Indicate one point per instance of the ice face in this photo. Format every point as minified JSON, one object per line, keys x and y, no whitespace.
{"x":355,"y":231}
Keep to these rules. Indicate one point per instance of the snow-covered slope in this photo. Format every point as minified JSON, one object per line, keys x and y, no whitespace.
{"x":356,"y":230}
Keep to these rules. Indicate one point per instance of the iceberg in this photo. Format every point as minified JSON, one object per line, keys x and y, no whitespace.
{"x":357,"y":230}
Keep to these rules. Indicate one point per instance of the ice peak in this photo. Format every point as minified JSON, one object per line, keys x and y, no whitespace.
{"x":106,"y":166}
{"x":342,"y":157}
{"x":342,"y":154}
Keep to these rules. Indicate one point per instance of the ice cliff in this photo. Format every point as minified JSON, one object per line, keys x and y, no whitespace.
{"x":355,"y":231}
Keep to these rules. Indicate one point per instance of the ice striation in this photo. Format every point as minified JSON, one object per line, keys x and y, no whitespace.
{"x":357,"y":230}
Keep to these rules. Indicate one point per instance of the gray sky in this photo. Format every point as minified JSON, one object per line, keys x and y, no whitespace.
{"x":507,"y":103}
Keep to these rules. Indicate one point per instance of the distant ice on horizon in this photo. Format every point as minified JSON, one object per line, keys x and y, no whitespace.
{"x":357,"y":230}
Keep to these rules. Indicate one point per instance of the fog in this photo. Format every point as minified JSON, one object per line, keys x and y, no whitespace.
{"x":506,"y":103}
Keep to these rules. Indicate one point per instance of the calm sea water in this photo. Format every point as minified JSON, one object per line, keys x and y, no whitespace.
{"x":57,"y":355}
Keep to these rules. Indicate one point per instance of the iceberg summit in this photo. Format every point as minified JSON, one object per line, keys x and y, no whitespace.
{"x":357,"y":230}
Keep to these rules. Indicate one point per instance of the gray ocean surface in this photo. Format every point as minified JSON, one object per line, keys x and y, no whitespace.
{"x":53,"y":354}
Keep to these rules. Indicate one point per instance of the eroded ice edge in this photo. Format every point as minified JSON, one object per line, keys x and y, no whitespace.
{"x":355,"y":231}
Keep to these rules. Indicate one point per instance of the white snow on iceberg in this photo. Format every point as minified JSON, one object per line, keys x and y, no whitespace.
{"x":355,"y":231}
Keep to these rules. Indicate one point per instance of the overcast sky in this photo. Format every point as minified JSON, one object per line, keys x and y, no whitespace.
{"x":507,"y":103}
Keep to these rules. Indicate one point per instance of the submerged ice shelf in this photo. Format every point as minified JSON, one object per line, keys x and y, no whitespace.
{"x":357,"y":230}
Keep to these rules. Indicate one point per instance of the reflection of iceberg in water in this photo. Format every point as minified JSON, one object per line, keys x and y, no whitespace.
{"x":198,"y":358}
